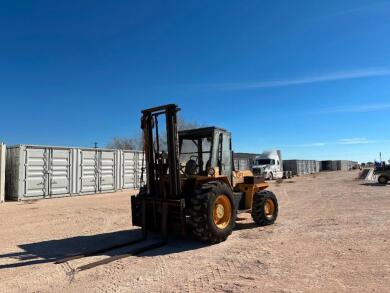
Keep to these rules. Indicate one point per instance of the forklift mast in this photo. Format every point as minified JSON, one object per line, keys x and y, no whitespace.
{"x":159,"y":165}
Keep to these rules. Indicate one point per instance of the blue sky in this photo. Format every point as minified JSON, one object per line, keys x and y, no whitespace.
{"x":309,"y":77}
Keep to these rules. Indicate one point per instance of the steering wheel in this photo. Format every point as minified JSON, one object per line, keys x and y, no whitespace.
{"x":191,"y":167}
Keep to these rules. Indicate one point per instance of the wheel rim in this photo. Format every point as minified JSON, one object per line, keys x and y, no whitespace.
{"x":269,"y":208}
{"x":222,"y":211}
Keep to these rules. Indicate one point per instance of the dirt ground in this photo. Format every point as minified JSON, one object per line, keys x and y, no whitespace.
{"x":332,"y":235}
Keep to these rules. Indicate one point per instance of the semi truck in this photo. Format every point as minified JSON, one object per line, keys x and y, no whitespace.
{"x":269,"y":165}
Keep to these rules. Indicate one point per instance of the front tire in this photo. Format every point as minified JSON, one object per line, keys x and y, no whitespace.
{"x":383,"y":179}
{"x":264,"y":208}
{"x":213,"y":214}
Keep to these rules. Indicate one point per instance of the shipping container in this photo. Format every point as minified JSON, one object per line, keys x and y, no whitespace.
{"x":301,"y":167}
{"x":295,"y":166}
{"x":35,"y":172}
{"x":329,"y":165}
{"x":318,"y":166}
{"x":243,"y":161}
{"x":2,"y":171}
{"x":241,"y":164}
{"x":343,"y":165}
{"x":132,"y":164}
{"x":338,"y":165}
{"x":128,"y":165}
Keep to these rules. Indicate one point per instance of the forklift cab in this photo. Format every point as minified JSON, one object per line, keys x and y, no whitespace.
{"x":205,"y":151}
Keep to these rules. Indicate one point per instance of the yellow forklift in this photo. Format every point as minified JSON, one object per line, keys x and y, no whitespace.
{"x":192,"y":185}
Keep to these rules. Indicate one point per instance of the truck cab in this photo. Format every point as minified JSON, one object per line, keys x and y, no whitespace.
{"x":270,"y":165}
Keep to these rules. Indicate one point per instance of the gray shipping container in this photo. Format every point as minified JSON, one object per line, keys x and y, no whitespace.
{"x":300,"y":167}
{"x":344,"y":165}
{"x":318,"y":166}
{"x":131,"y":166}
{"x":241,"y":164}
{"x":34,"y":172}
{"x":329,"y":166}
{"x":243,"y":161}
{"x":338,"y":165}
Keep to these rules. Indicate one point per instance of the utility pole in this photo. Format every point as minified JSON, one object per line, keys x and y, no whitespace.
{"x":96,"y":145}
{"x":380,"y":157}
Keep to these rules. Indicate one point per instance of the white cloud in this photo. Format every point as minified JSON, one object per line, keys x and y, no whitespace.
{"x":357,"y":108}
{"x":343,"y":141}
{"x":372,"y":7}
{"x":334,"y":76}
{"x":357,"y":140}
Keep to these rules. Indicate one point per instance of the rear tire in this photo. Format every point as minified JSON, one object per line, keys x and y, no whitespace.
{"x":211,"y":219}
{"x":383,"y":179}
{"x":264,"y":208}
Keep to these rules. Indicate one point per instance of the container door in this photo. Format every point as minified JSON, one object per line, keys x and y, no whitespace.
{"x":236,"y":164}
{"x":36,"y":172}
{"x":244,"y":165}
{"x":107,"y":170}
{"x":60,"y":172}
{"x":140,"y":164}
{"x":88,"y":171}
{"x":128,"y":170}
{"x":301,"y":167}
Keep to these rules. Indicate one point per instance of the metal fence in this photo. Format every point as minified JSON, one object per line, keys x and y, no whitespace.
{"x":2,"y":171}
{"x":34,"y":172}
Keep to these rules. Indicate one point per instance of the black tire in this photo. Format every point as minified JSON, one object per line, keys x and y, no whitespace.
{"x":271,"y":177}
{"x":383,"y":179}
{"x":258,"y":208}
{"x":201,"y":211}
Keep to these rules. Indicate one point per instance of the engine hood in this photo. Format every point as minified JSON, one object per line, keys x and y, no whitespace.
{"x":261,"y":166}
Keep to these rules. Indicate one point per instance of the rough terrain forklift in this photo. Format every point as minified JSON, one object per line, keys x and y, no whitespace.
{"x":191,"y":184}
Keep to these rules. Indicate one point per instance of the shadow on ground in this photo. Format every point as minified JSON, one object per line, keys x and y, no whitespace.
{"x":53,"y":250}
{"x":373,"y":184}
{"x":246,"y":226}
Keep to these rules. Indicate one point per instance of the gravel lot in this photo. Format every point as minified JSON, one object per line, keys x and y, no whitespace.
{"x":332,"y":235}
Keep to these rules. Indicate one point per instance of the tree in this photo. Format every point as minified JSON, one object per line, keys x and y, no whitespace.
{"x":135,"y":142}
{"x":185,"y":125}
{"x":124,"y":143}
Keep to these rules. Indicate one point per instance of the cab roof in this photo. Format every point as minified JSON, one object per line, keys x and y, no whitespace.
{"x":199,"y":132}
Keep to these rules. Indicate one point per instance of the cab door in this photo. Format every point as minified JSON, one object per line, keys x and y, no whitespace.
{"x":225,"y":154}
